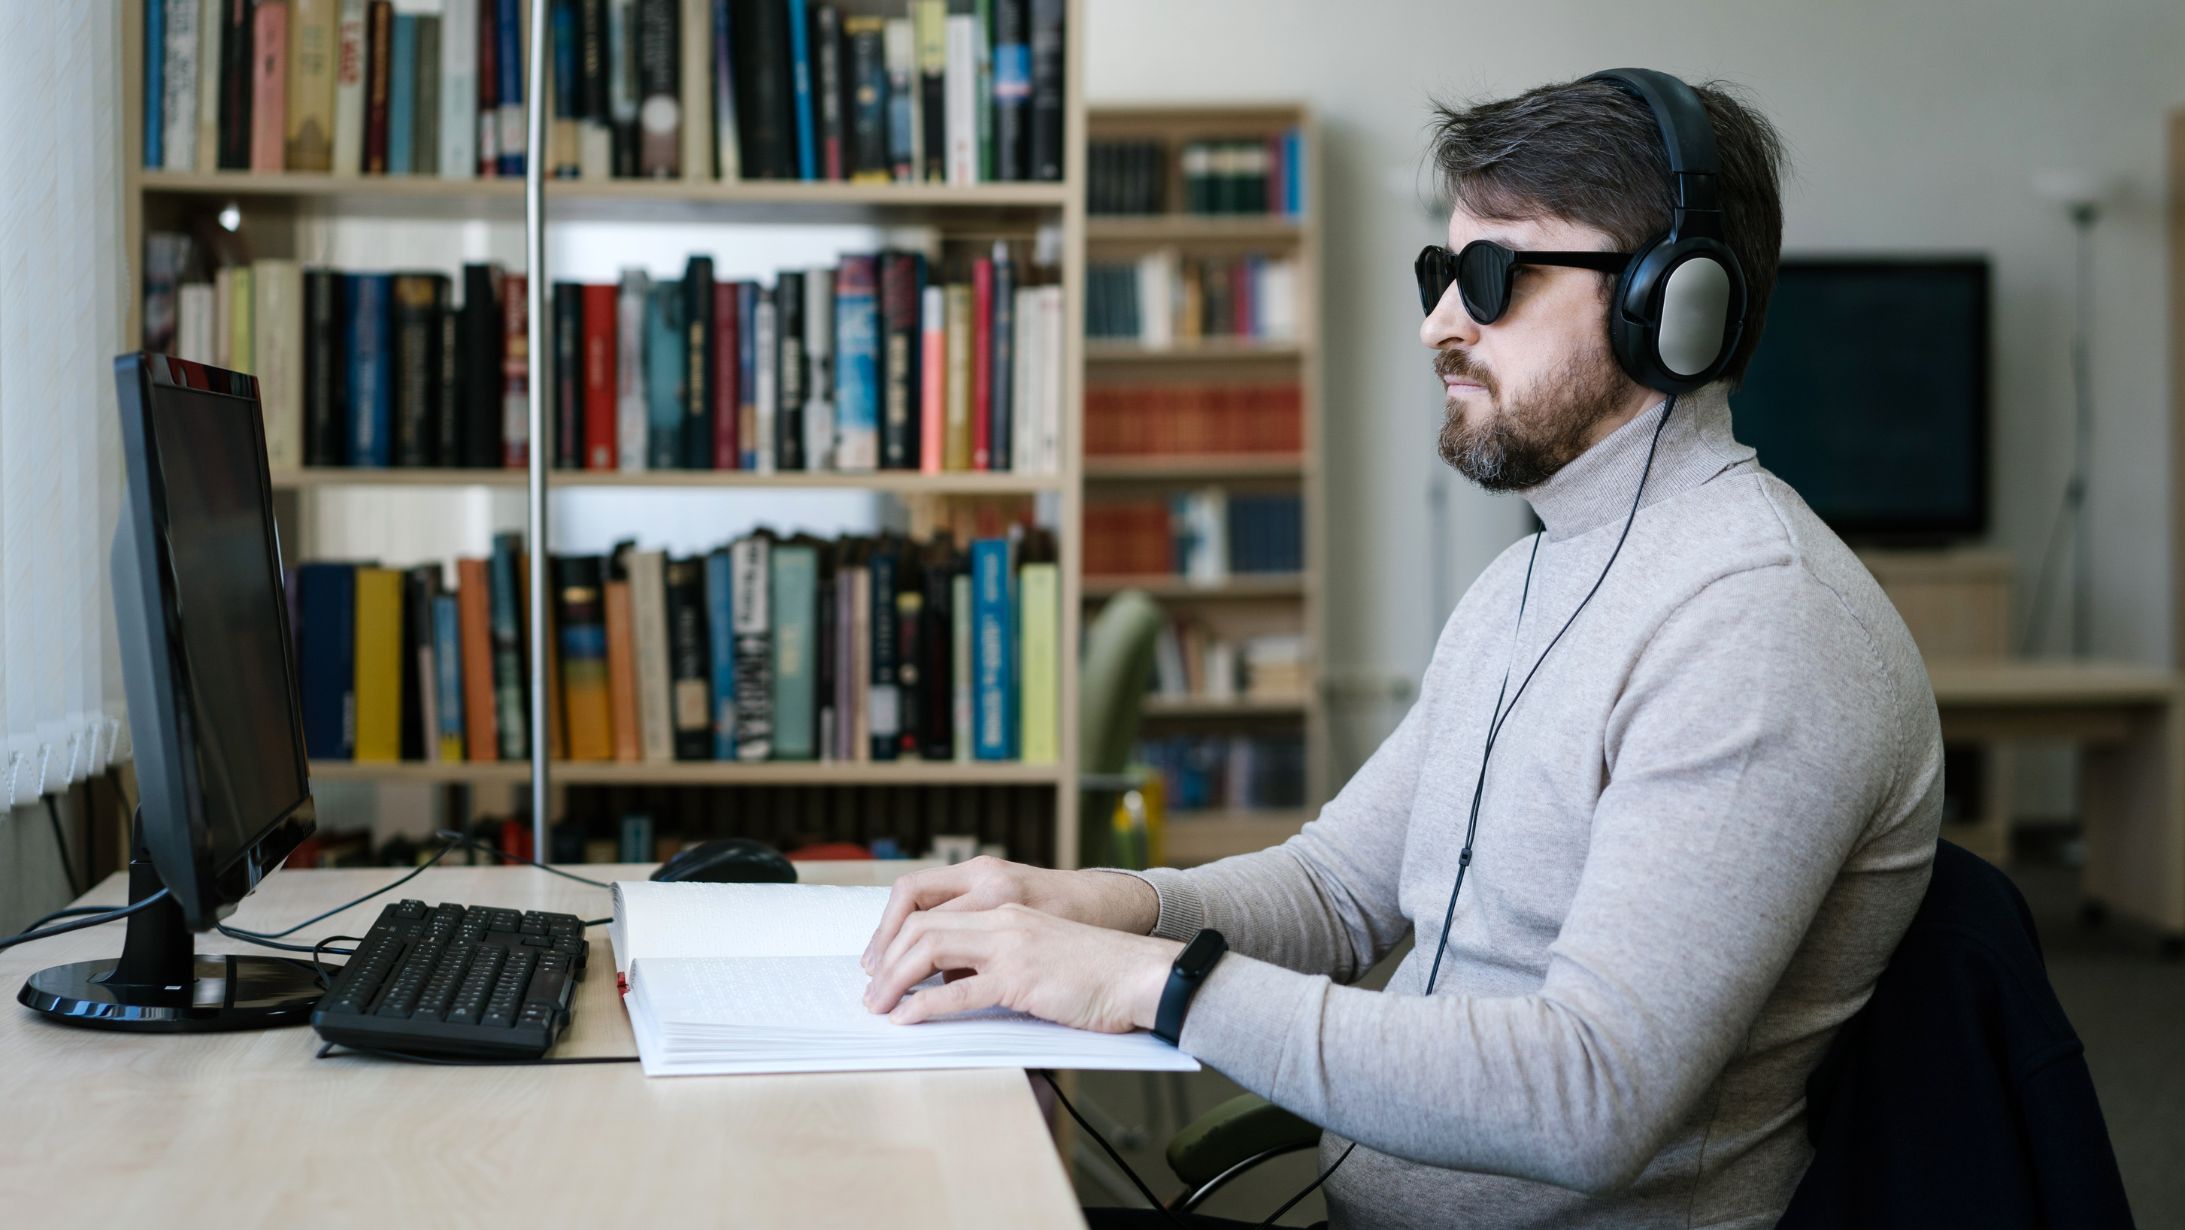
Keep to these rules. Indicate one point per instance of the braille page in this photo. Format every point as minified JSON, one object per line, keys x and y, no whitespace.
{"x":685,"y":919}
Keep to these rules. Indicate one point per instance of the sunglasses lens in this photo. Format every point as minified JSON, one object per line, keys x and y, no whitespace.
{"x":1435,"y":268}
{"x":1483,"y":280}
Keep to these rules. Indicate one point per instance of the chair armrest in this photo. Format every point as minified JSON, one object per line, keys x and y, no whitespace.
{"x":1243,"y":1128}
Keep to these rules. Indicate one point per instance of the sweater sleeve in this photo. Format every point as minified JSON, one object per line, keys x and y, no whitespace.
{"x":1746,"y":757}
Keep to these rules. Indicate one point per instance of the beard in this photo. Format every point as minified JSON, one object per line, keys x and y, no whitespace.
{"x":1522,"y":442}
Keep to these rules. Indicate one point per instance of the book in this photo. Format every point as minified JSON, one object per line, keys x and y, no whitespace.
{"x":565,"y":407}
{"x":1039,"y":631}
{"x":622,"y":668}
{"x":982,"y":101}
{"x":665,"y":367}
{"x":420,"y":699}
{"x":379,"y":665}
{"x":166,"y":257}
{"x":827,"y":88}
{"x":789,"y":368}
{"x":857,"y":364}
{"x":351,"y":56}
{"x":370,"y":407}
{"x":911,"y":653}
{"x":1012,"y":89}
{"x":515,"y":371}
{"x":595,"y":132}
{"x":937,"y":643}
{"x":698,"y":365}
{"x":960,"y":663}
{"x":1001,"y":334}
{"x":727,"y":157}
{"x":690,"y":667}
{"x":581,"y":627}
{"x":962,"y":99}
{"x":564,"y":144}
{"x":694,"y":81}
{"x":212,"y":21}
{"x":177,"y":50}
{"x":800,"y":90}
{"x":401,"y":121}
{"x":447,"y":677}
{"x":994,"y":649}
{"x":425,"y":105}
{"x":933,"y":377}
{"x":1026,"y":354}
{"x":899,"y":48}
{"x":484,"y":332}
{"x":379,"y":34}
{"x":326,"y":646}
{"x":633,"y":409}
{"x":747,"y":376}
{"x":956,"y":426}
{"x":269,"y":86}
{"x":623,"y":97}
{"x":601,"y":379}
{"x":765,"y":978}
{"x":721,"y":649}
{"x":238,"y":67}
{"x":902,"y":287}
{"x":414,"y":325}
{"x":649,"y":637}
{"x":765,"y":375}
{"x":751,"y":612}
{"x":474,"y":627}
{"x":242,"y":333}
{"x":194,"y":313}
{"x":511,"y":713}
{"x":930,"y":18}
{"x":458,"y":153}
{"x":277,"y":349}
{"x":883,"y":701}
{"x":762,"y":78}
{"x":449,"y":411}
{"x":868,"y":83}
{"x":982,"y":363}
{"x":793,"y":591}
{"x":727,"y":368}
{"x":309,"y":85}
{"x":1045,"y":137}
{"x":819,"y":366}
{"x":509,"y":138}
{"x":155,"y":92}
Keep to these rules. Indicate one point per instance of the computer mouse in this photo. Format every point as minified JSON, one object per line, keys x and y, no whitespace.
{"x":730,"y":860}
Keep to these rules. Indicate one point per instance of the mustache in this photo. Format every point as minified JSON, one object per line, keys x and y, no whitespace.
{"x":1458,"y":364}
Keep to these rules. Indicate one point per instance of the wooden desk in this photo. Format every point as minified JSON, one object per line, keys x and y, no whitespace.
{"x":2127,"y":722}
{"x":248,"y":1129}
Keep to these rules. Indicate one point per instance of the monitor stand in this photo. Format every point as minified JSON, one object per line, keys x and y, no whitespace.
{"x":160,"y":984}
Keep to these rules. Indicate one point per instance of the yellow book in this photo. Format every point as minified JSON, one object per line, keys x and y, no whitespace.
{"x":241,"y":336}
{"x":379,"y":664}
{"x":1039,"y":669}
{"x":311,"y":51}
{"x":956,"y":412}
{"x":276,"y":347}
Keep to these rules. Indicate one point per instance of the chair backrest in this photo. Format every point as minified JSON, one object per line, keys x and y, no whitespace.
{"x":1111,"y":692}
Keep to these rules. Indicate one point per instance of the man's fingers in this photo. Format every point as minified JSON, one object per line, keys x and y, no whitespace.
{"x":920,"y":890}
{"x":925,"y":922}
{"x":962,"y":995}
{"x":959,"y":942}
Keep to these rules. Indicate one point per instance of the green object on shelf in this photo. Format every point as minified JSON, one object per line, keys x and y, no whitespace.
{"x":1111,"y":693}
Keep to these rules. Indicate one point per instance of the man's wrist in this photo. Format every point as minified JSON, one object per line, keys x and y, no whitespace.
{"x":1151,"y":980}
{"x":1125,"y":902}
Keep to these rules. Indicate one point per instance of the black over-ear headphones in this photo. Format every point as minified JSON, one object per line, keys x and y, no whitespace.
{"x":1680,"y":303}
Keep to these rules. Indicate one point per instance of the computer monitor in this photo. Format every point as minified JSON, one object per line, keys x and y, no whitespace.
{"x":213,"y":712}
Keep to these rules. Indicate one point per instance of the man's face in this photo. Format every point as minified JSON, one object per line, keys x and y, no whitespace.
{"x":1536,"y":388}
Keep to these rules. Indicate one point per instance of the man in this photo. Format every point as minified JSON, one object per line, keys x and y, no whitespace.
{"x":1708,"y":814}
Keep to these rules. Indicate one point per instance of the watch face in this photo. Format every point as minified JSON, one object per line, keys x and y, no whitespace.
{"x":1200,"y":954}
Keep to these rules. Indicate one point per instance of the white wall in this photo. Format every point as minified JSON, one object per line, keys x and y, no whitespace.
{"x":1910,"y":126}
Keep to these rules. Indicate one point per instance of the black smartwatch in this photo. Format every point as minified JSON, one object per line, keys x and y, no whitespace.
{"x":1192,"y":965}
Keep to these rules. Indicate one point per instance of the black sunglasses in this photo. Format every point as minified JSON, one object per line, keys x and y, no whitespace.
{"x":1482,"y":272}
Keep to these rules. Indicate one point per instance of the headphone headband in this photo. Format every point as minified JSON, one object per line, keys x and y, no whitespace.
{"x":1688,"y":137}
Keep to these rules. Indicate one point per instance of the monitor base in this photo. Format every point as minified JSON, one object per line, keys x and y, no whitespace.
{"x":222,"y":992}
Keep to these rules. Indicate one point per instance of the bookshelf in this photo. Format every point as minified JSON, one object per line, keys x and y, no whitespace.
{"x":1168,"y":221}
{"x":283,"y":214}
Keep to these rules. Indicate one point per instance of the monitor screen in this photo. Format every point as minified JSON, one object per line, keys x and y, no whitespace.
{"x":1869,"y":394}
{"x":228,"y":611}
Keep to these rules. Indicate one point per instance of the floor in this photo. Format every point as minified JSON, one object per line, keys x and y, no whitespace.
{"x":2127,"y":1004}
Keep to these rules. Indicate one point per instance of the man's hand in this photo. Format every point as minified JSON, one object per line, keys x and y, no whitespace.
{"x":1019,"y":958}
{"x":1100,"y":898}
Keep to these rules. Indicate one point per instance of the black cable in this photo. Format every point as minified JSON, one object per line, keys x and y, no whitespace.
{"x":60,"y":842}
{"x":69,"y":912}
{"x":318,"y":967}
{"x":1109,"y":1149}
{"x":251,"y":938}
{"x":24,"y":937}
{"x":474,"y":843}
{"x":420,"y":869}
{"x":327,"y":1052}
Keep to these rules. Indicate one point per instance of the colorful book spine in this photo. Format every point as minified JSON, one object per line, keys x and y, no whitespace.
{"x":458,"y":154}
{"x":994,"y":649}
{"x":800,"y":91}
{"x":694,"y":88}
{"x":827,"y":90}
{"x":326,"y":654}
{"x":515,"y":371}
{"x":1001,"y":377}
{"x":747,"y":376}
{"x":622,"y":670}
{"x":726,"y":142}
{"x":1012,"y":89}
{"x":155,"y":86}
{"x":649,"y":623}
{"x":582,"y":632}
{"x":511,"y":139}
{"x":313,"y":27}
{"x":178,"y":85}
{"x":401,"y":94}
{"x":900,"y":48}
{"x":510,"y":714}
{"x":819,"y":356}
{"x":883,"y":702}
{"x":698,"y":365}
{"x":659,"y":110}
{"x":868,"y":118}
{"x":727,"y":376}
{"x":633,"y":410}
{"x":665,"y":344}
{"x":721,"y":649}
{"x":365,"y":310}
{"x":269,"y":87}
{"x":752,"y":614}
{"x":933,"y":378}
{"x":1039,"y":586}
{"x":379,"y":665}
{"x":960,"y":665}
{"x":690,"y":667}
{"x":474,"y":626}
{"x":447,"y":661}
{"x":766,"y":374}
{"x":789,"y":370}
{"x":857,"y":364}
{"x":565,"y":321}
{"x":277,"y":349}
{"x":982,"y":75}
{"x":902,"y":286}
{"x":794,"y":591}
{"x":982,"y":364}
{"x":956,"y":451}
{"x":600,"y":375}
{"x":379,"y":33}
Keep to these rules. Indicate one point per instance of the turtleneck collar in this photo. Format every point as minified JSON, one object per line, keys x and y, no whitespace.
{"x":1597,"y":486}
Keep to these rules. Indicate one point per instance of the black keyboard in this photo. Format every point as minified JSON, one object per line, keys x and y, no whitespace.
{"x":465,"y":981}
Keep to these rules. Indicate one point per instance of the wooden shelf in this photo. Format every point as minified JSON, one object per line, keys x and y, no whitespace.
{"x":699,"y":773}
{"x":1194,"y":228}
{"x":1239,"y":706}
{"x":1211,"y":349}
{"x":426,"y":195}
{"x":896,"y":482}
{"x":1236,"y":587}
{"x":1192,"y":466}
{"x":1194,"y":837}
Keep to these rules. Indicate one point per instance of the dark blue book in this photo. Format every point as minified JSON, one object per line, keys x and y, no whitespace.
{"x":155,"y":80}
{"x":883,"y":707}
{"x":326,"y":647}
{"x":366,"y":301}
{"x":747,"y":371}
{"x":993,"y":649}
{"x":721,"y":644}
{"x":402,"y":96}
{"x":509,"y":56}
{"x":510,"y":713}
{"x":800,"y":88}
{"x":666,"y":345}
{"x":447,"y":667}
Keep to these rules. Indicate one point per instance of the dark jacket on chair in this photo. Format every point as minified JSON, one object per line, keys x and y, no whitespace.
{"x":1959,"y":1095}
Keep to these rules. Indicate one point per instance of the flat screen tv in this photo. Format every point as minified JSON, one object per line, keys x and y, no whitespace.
{"x":1869,"y":394}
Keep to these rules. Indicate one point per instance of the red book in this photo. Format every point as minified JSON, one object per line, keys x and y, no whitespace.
{"x":599,"y":376}
{"x":269,"y":87}
{"x":379,"y":41}
{"x":515,"y":372}
{"x":982,"y":364}
{"x":727,"y":377}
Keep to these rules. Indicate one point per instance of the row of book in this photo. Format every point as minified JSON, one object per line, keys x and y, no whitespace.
{"x":1243,"y":175}
{"x":1199,"y":772}
{"x":1205,"y":535}
{"x":953,"y":91}
{"x":1191,"y":660}
{"x":766,"y":648}
{"x":632,"y":837}
{"x":863,"y":366}
{"x":1136,"y":420}
{"x":1162,"y":299}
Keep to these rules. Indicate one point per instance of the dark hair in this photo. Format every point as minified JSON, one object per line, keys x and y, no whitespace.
{"x":1587,"y":152}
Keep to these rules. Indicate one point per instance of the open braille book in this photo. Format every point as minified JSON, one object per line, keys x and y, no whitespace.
{"x":725,"y":978}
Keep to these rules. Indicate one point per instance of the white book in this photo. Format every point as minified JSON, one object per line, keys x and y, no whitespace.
{"x":193,"y":322}
{"x":649,"y":617}
{"x":697,"y":83}
{"x":632,"y":426}
{"x":208,"y":85}
{"x":959,"y":661}
{"x":1157,"y":286}
{"x":277,"y":349}
{"x":349,"y":56}
{"x":178,"y":86}
{"x":1276,"y":297}
{"x":223,"y":317}
{"x":727,"y":978}
{"x":1053,"y":312}
{"x":819,"y":379}
{"x":961,"y":96}
{"x":763,"y":382}
{"x":459,"y":91}
{"x":1024,"y":379}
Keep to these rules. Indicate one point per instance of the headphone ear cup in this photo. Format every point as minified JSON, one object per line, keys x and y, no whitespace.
{"x":1630,"y":323}
{"x":1677,"y":314}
